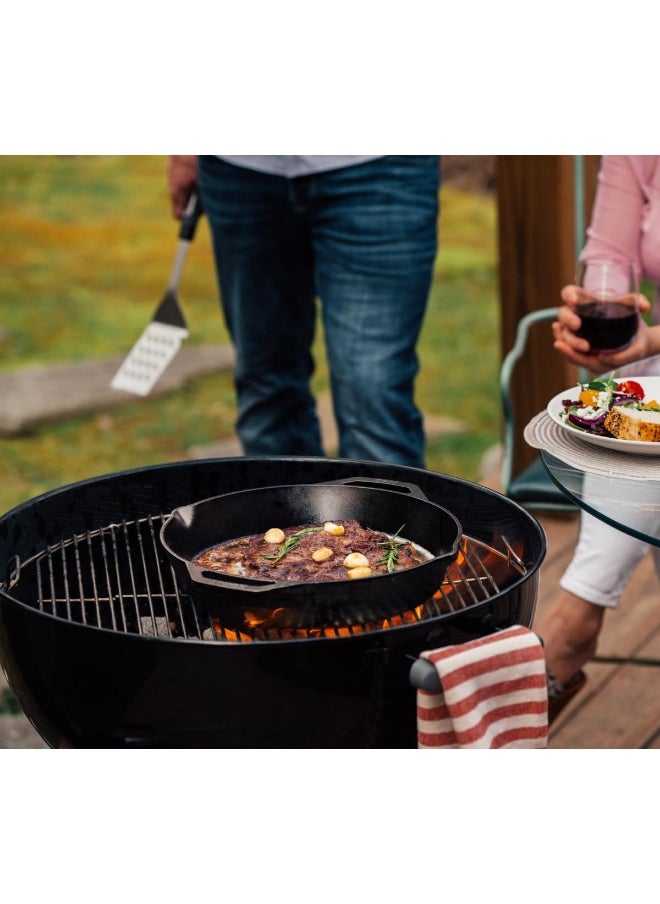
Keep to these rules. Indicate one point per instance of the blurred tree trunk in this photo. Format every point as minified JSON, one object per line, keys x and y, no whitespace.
{"x":537,"y":242}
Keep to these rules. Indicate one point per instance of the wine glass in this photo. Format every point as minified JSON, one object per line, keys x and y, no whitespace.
{"x":608,"y":304}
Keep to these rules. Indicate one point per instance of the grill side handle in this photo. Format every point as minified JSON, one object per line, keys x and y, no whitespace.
{"x":423,"y":676}
{"x":13,"y":573}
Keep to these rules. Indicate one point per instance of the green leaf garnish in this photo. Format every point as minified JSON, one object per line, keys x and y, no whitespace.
{"x":391,"y":548}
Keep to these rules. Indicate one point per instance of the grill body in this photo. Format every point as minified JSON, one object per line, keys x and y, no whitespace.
{"x":83,"y":685}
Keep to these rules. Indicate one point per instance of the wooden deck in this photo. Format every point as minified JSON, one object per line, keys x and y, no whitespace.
{"x":619,"y":708}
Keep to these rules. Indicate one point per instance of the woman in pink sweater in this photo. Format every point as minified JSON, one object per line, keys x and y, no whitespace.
{"x":625,"y":225}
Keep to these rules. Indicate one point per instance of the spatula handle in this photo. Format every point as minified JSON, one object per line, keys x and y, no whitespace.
{"x":190,"y":218}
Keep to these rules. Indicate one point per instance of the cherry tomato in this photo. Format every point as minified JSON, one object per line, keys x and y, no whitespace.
{"x":631,"y":387}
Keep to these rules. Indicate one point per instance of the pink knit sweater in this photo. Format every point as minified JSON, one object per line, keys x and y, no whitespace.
{"x":625,"y":224}
{"x":625,"y":221}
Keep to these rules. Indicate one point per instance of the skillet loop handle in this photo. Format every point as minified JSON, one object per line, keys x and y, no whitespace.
{"x":229,"y":582}
{"x":376,"y":483}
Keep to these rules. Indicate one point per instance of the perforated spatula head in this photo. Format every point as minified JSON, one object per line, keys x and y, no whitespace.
{"x":161,"y":339}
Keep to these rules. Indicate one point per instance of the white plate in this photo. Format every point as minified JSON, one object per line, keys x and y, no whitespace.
{"x":651,"y":387}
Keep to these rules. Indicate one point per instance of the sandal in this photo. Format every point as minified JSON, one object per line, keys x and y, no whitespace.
{"x":560,"y":695}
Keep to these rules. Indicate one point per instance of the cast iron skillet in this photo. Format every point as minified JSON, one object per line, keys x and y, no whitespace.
{"x":382,"y":505}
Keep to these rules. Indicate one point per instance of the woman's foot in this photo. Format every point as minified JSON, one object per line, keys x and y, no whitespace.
{"x":569,"y":633}
{"x":560,"y":695}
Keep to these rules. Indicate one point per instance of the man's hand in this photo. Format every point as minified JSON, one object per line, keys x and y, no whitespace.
{"x":181,"y":182}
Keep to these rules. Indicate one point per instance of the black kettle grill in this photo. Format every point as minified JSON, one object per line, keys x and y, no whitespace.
{"x":105,"y":649}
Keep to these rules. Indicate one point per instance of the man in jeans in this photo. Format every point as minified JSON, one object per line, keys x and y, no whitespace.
{"x":359,"y":233}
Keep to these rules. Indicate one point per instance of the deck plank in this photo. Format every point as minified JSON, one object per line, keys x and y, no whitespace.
{"x":620,"y":705}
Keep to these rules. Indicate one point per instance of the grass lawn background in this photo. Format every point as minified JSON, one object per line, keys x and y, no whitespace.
{"x":86,"y":247}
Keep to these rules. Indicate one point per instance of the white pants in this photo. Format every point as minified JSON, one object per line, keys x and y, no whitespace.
{"x":603,"y":562}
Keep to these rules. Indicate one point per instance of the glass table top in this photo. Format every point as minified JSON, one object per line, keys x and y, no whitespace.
{"x":625,"y":502}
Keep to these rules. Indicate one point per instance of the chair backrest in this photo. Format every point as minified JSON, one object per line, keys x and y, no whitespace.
{"x":533,"y":488}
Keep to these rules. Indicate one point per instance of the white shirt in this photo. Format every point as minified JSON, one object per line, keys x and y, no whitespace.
{"x":291,"y":166}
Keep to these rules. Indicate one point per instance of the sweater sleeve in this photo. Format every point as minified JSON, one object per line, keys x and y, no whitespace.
{"x":615,"y":228}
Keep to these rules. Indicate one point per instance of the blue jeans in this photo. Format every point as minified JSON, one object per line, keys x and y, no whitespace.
{"x":362,"y":239}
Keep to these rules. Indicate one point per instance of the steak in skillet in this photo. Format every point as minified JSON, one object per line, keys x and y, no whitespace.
{"x":314,"y":552}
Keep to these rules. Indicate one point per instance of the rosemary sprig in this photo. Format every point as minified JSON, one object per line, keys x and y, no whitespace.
{"x":391,"y":547}
{"x":289,"y":544}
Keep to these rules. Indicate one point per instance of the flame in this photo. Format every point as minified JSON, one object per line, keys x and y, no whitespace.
{"x":258,"y":628}
{"x":256,"y":618}
{"x":229,"y":633}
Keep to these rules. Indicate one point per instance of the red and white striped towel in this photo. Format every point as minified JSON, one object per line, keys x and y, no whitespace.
{"x":494,"y":694}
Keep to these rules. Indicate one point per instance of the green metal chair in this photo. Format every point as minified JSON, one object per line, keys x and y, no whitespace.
{"x":533,"y":488}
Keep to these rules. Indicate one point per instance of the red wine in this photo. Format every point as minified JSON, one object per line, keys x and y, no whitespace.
{"x":606,"y":325}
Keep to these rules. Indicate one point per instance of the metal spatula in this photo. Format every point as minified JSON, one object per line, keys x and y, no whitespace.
{"x":161,"y":339}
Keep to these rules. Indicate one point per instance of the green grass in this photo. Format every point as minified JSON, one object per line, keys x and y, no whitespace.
{"x":86,"y":245}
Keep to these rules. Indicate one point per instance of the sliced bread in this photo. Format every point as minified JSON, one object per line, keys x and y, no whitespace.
{"x":631,"y":423}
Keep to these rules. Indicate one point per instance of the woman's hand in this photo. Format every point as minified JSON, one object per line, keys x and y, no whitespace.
{"x":181,"y":182}
{"x":578,"y":350}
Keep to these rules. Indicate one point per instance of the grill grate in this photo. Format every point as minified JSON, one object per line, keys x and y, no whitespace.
{"x":119,"y":578}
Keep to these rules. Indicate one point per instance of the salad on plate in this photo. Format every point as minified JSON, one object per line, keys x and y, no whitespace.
{"x":591,"y":409}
